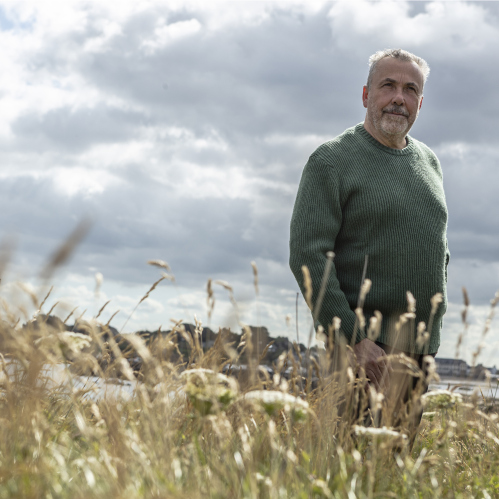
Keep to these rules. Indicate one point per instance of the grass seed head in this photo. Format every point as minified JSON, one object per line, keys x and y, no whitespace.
{"x":411,"y":302}
{"x":255,"y":276}
{"x":374,"y":329}
{"x":436,"y":300}
{"x":364,"y":289}
{"x":160,"y":264}
{"x":307,"y":283}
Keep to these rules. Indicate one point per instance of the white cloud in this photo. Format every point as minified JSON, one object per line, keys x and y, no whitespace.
{"x":79,"y":180}
{"x":165,"y":34}
{"x":192,"y":150}
{"x":461,"y":29}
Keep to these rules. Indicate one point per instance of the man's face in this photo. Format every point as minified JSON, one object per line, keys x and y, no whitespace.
{"x":395,"y":97}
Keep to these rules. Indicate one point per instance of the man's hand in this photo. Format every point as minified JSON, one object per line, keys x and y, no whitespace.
{"x":375,"y":363}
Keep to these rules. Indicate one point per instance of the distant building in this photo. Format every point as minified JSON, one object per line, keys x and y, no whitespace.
{"x":451,"y":367}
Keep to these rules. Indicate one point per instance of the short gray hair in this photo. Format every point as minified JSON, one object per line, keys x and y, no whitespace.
{"x":399,"y":54}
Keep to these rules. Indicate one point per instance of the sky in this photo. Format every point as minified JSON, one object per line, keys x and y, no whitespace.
{"x":180,"y":130}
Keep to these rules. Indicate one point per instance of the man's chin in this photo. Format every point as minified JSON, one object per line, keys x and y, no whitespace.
{"x":394,"y":128}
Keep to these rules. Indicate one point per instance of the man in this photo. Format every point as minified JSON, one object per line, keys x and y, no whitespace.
{"x":374,"y":196}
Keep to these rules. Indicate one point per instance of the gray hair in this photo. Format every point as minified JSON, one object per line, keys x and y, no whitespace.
{"x":399,"y":54}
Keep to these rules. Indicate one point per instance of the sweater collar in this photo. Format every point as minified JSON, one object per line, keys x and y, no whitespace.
{"x":408,"y":149}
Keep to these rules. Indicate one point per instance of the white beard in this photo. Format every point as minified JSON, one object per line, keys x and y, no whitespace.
{"x":389,"y":124}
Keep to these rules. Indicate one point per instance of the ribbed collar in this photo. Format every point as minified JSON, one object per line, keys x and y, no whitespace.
{"x":408,"y":149}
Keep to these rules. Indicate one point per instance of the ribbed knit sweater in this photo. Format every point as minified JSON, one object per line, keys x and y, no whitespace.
{"x":358,"y":197}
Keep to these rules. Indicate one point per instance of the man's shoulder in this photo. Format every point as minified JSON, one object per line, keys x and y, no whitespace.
{"x":424,"y":148}
{"x":427,"y":154}
{"x":340,"y":147}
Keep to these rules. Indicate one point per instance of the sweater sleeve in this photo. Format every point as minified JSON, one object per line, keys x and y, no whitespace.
{"x":315,"y":223}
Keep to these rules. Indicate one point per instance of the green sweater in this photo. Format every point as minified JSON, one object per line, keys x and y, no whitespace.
{"x":358,"y":197}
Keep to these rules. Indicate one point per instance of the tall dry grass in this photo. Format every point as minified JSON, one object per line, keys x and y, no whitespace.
{"x":190,"y":431}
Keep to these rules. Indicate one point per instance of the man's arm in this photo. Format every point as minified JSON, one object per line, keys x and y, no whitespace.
{"x":315,"y":223}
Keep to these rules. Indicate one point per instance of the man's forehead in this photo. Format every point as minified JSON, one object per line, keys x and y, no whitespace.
{"x":396,"y":69}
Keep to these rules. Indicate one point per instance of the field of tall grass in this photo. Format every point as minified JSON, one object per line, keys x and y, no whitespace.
{"x":190,"y":431}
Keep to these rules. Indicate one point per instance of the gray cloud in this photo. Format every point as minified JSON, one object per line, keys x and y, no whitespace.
{"x":471,"y":177}
{"x":191,"y":150}
{"x":76,"y":130}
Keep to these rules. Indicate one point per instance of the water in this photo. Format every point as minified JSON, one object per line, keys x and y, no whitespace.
{"x":96,"y":388}
{"x":465,"y":386}
{"x":59,"y":377}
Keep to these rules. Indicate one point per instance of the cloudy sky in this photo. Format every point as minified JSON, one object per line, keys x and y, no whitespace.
{"x":181,"y":131}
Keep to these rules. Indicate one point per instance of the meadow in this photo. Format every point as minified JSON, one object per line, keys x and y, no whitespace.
{"x":190,"y":431}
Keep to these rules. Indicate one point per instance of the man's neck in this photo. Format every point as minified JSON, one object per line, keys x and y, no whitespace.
{"x":395,"y":142}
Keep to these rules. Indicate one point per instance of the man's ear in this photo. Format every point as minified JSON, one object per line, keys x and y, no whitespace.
{"x":421,"y":103}
{"x":365,"y":93}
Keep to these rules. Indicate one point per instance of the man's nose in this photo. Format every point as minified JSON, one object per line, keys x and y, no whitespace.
{"x":398,"y":98}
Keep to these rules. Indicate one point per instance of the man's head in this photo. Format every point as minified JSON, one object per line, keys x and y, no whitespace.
{"x":393,"y":94}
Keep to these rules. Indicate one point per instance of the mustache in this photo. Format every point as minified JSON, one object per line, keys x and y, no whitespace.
{"x":396,"y":110}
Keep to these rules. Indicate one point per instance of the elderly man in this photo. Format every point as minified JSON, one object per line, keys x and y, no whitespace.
{"x":374,"y":196}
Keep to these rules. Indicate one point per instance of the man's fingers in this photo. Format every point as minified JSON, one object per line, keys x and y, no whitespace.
{"x":386,"y":367}
{"x":374,"y":373}
{"x":375,"y":362}
{"x":386,"y":379}
{"x":386,"y":362}
{"x":372,"y":379}
{"x":377,"y":369}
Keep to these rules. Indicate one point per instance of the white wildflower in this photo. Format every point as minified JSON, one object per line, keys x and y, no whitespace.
{"x":441,"y":399}
{"x":383,"y":433}
{"x":209,"y":391}
{"x":75,"y":341}
{"x":200,"y":372}
{"x":273,"y":401}
{"x":66,"y":344}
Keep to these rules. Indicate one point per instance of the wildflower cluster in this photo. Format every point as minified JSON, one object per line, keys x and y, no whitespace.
{"x":208,"y":391}
{"x":441,"y":399}
{"x":65,"y":344}
{"x":273,"y":401}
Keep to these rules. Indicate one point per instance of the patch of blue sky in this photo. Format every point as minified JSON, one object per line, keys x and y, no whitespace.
{"x":8,"y":21}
